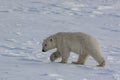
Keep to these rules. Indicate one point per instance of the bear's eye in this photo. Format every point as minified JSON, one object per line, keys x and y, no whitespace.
{"x":51,"y":40}
{"x":45,"y":44}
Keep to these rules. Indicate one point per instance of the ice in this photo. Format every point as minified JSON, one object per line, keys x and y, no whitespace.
{"x":54,"y":75}
{"x":24,"y":24}
{"x":104,"y":7}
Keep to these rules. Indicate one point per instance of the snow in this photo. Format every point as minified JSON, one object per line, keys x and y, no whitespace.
{"x":24,"y":24}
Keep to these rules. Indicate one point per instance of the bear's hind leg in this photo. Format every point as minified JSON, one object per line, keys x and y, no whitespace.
{"x":65,"y":55}
{"x":99,"y":58}
{"x":102,"y":64}
{"x":55,"y":56}
{"x":82,"y":59}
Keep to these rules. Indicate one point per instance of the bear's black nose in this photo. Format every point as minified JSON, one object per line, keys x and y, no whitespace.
{"x":43,"y":50}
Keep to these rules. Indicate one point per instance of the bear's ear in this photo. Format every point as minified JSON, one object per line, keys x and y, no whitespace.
{"x":51,"y":40}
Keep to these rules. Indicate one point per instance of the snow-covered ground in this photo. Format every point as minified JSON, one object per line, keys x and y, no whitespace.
{"x":25,"y":23}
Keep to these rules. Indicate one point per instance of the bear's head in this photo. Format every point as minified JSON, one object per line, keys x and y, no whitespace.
{"x":48,"y":44}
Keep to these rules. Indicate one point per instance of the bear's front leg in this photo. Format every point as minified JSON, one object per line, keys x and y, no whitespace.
{"x":64,"y":60}
{"x":55,"y":56}
{"x":65,"y":55}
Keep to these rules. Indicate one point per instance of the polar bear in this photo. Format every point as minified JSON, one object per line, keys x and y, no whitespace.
{"x":78,"y":42}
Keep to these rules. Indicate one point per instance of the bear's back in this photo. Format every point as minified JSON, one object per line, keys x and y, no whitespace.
{"x":76,"y":38}
{"x":73,"y":35}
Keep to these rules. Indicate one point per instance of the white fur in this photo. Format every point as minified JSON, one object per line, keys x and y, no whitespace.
{"x":82,"y":44}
